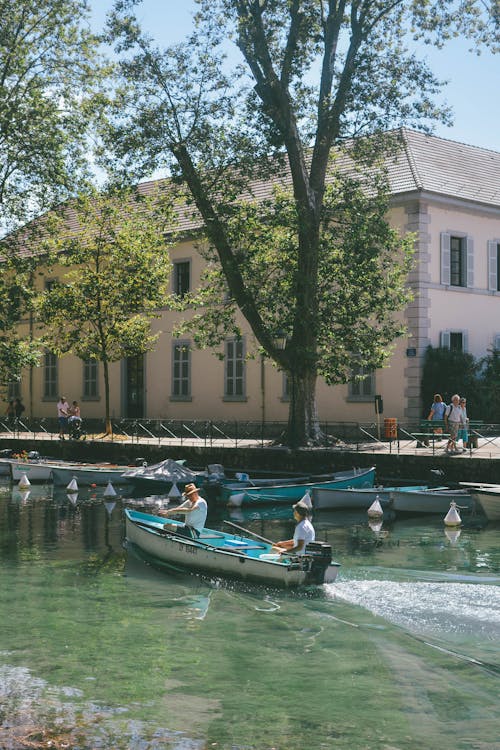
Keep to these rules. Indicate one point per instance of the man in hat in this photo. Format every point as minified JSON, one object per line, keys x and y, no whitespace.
{"x":303,"y":534}
{"x":194,"y":508}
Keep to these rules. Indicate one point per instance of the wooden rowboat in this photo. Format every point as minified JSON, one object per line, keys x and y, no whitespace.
{"x":228,"y":555}
{"x":328,"y":498}
{"x":488,"y":497}
{"x":430,"y":501}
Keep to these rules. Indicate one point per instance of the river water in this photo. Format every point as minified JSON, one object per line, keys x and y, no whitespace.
{"x":400,"y":653}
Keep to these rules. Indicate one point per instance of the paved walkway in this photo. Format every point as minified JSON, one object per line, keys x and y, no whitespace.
{"x":487,"y":448}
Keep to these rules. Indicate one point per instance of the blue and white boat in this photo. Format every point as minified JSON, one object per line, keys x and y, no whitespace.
{"x":291,"y":493}
{"x":229,"y":555}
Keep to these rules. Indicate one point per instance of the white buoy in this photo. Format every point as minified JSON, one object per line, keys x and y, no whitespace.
{"x":452,"y":518}
{"x":24,"y":495}
{"x":236,"y":500}
{"x":24,"y":482}
{"x":109,"y":491}
{"x":375,"y":509}
{"x":375,"y":526}
{"x":73,"y":485}
{"x":174,"y":492}
{"x":452,"y":535}
{"x":306,"y":500}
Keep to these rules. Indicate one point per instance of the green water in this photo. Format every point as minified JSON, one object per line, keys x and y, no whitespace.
{"x":400,"y":653}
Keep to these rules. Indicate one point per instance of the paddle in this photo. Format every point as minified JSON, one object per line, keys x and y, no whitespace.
{"x":247,"y":531}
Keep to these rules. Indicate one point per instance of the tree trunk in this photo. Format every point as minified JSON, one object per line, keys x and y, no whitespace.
{"x":303,"y":424}
{"x":107,"y":429}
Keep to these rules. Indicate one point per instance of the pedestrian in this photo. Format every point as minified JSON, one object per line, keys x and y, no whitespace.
{"x":194,"y":509}
{"x":18,"y":408}
{"x":303,"y":534}
{"x":62,"y":416}
{"x":463,"y":432}
{"x":436,"y":413}
{"x":453,"y":420}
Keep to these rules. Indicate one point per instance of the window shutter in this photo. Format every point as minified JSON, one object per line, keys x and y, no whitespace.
{"x":444,"y":339}
{"x":465,"y":341}
{"x":492,"y":265}
{"x":470,"y":261}
{"x":445,"y":259}
{"x":496,"y":342}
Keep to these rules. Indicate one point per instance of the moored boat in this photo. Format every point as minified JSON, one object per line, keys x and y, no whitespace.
{"x":334,"y":498}
{"x":229,"y":555}
{"x":488,"y":497}
{"x":436,"y":500}
{"x":287,"y":493}
{"x":161,"y":476}
{"x":88,"y":474}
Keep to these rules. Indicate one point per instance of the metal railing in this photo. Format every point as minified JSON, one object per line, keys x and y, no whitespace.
{"x":352,"y":436}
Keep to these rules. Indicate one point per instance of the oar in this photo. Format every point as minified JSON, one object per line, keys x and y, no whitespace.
{"x":252,"y":533}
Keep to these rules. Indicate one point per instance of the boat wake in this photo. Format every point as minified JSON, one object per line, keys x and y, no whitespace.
{"x":434,"y":607}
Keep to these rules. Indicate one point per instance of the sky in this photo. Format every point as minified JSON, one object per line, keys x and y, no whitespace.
{"x":473,"y":89}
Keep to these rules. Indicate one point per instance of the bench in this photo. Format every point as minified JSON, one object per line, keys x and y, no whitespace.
{"x":427,"y":432}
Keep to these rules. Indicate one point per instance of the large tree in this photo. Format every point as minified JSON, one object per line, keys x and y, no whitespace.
{"x":113,"y":268}
{"x":317,"y":258}
{"x":49,"y":69}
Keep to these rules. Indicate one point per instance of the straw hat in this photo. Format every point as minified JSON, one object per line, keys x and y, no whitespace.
{"x":190,"y":488}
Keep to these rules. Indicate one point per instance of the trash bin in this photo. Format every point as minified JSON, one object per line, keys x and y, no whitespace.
{"x":390,"y":428}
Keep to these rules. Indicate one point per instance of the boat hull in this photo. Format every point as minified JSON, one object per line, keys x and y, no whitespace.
{"x":291,"y":493}
{"x":489,"y":500}
{"x":88,"y":476}
{"x":210,"y":554}
{"x":430,"y":501}
{"x":328,"y":498}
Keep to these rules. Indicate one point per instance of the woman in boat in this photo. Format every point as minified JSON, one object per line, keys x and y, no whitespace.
{"x":303,"y":534}
{"x":194,"y":508}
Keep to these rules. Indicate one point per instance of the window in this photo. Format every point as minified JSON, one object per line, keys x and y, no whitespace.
{"x":454,"y":340}
{"x":496,"y":342}
{"x":181,"y":371}
{"x":494,"y":266}
{"x":362,"y":388}
{"x":234,"y":380}
{"x":457,"y":260}
{"x":50,"y":376}
{"x":182,"y":276}
{"x":14,"y":390}
{"x":90,"y":379}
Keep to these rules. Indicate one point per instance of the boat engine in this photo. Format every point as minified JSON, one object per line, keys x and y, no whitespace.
{"x":321,"y":554}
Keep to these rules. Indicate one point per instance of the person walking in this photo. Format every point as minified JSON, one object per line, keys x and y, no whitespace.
{"x":436,"y":413}
{"x":463,"y":432}
{"x":10,"y":413}
{"x":19,"y":408}
{"x":62,"y":416}
{"x":452,"y":421}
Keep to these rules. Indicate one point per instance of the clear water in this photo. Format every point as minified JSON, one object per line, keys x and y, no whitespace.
{"x":400,"y":653}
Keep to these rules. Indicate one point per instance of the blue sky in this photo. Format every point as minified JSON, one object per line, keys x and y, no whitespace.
{"x":472,"y":91}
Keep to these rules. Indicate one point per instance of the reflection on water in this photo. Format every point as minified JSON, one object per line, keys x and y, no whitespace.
{"x":401,"y":652}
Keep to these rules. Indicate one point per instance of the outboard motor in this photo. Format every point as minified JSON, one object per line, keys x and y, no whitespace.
{"x":321,"y":554}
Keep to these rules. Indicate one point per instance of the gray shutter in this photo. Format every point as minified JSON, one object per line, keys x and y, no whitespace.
{"x":465,"y":341}
{"x":444,"y":339}
{"x":445,"y":259}
{"x":496,"y":342}
{"x":470,"y":261}
{"x":493,"y":265}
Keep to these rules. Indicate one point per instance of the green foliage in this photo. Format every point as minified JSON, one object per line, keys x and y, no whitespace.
{"x":447,"y":372}
{"x":316,"y":259}
{"x":49,"y":69}
{"x":116,"y":270}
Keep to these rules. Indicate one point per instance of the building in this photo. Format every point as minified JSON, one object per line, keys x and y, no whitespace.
{"x":447,"y":193}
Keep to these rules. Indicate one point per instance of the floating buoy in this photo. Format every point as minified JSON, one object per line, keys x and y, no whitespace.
{"x":306,"y":500}
{"x":109,"y":491}
{"x":236,"y":500}
{"x":24,"y":482}
{"x":452,"y":535}
{"x":174,"y":492}
{"x":375,"y":509}
{"x":25,"y":495}
{"x":452,"y":518}
{"x":73,"y":485}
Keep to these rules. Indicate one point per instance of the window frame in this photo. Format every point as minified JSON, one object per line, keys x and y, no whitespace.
{"x":50,"y":384}
{"x":181,"y":347}
{"x":179,"y":288}
{"x":89,"y":379}
{"x":235,"y":369}
{"x":368,"y":377}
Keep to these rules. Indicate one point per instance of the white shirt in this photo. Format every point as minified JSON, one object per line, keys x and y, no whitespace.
{"x":196,"y":519}
{"x":304,"y":530}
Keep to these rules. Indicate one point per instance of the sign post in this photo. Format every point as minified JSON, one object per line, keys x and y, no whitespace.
{"x":379,"y":409}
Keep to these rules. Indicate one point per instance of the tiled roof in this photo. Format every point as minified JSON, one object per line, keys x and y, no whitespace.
{"x":447,"y":168}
